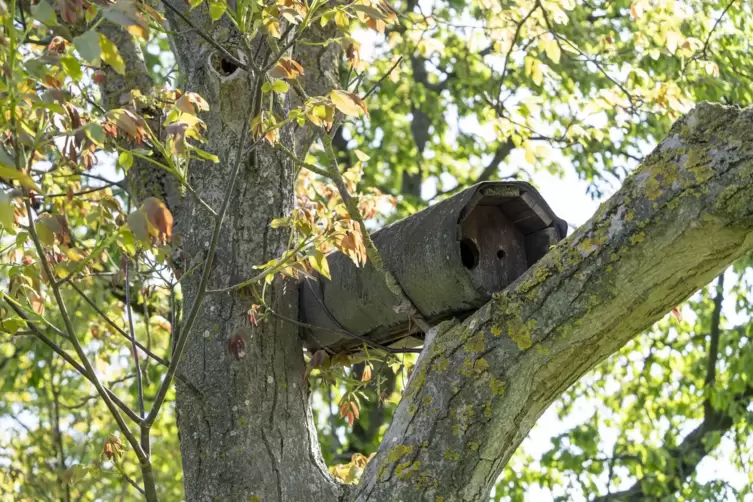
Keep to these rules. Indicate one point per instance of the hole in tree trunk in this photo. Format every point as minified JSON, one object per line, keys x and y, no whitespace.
{"x":223,"y":66}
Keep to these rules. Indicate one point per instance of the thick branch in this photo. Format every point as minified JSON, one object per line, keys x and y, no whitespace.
{"x":479,"y":387}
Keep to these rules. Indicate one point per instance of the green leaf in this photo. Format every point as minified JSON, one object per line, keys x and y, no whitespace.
{"x":280,"y":86}
{"x":75,"y":473}
{"x":138,"y":225}
{"x":15,"y":174}
{"x":44,"y":13}
{"x":45,"y":233}
{"x":125,"y":159}
{"x":205,"y":155}
{"x":6,"y":211}
{"x":110,"y":54}
{"x":6,"y":160}
{"x":95,"y":133}
{"x":216,"y":10}
{"x":127,"y":240}
{"x":71,"y":67}
{"x":319,"y":263}
{"x":88,"y":46}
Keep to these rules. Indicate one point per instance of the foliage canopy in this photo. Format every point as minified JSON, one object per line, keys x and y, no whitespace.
{"x":432,"y":97}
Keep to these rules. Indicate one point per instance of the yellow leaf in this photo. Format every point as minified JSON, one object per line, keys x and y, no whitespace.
{"x":348,"y":103}
{"x":673,"y":40}
{"x":361,"y":156}
{"x":110,"y":54}
{"x":319,"y":263}
{"x":341,"y":19}
{"x":553,"y":51}
{"x":74,"y":255}
{"x":14,"y":174}
{"x":536,"y":74}
{"x":530,"y":156}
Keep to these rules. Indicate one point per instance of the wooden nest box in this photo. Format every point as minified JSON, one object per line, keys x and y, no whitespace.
{"x":448,"y":259}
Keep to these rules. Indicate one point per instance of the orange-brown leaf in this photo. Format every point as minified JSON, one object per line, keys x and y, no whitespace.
{"x":160,"y":219}
{"x":287,"y":68}
{"x":366,"y":375}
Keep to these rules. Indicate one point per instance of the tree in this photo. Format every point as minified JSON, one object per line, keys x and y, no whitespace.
{"x":267,"y":151}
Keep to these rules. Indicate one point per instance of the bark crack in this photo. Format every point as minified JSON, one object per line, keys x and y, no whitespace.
{"x":273,"y":460}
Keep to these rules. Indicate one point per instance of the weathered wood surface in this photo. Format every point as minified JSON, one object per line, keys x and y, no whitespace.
{"x":449,"y":259}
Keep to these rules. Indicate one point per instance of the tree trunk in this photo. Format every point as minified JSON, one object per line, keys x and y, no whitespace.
{"x":248,"y":432}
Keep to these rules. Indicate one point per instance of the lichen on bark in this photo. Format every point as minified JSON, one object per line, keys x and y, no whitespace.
{"x":683,"y":216}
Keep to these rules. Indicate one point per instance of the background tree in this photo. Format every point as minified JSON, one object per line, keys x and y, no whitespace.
{"x":103,"y":296}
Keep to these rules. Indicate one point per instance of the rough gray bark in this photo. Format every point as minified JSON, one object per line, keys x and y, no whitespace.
{"x":248,"y":434}
{"x":480,"y":386}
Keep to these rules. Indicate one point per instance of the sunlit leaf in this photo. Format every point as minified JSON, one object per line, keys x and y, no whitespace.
{"x":110,"y":54}
{"x":280,"y":86}
{"x":125,"y":160}
{"x":72,"y":67}
{"x":216,"y":9}
{"x":88,"y":46}
{"x":14,"y":174}
{"x":6,"y":211}
{"x":318,"y":262}
{"x":348,"y":103}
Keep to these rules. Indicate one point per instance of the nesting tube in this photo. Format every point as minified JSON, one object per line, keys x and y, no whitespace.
{"x":448,"y":258}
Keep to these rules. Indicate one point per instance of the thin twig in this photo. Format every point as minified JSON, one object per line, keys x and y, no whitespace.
{"x":206,"y":37}
{"x":376,"y":85}
{"x":77,"y":344}
{"x":163,"y":362}
{"x":713,"y":28}
{"x":514,"y":40}
{"x":59,"y":351}
{"x":132,"y":331}
{"x":133,"y":483}
{"x":202,"y":288}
